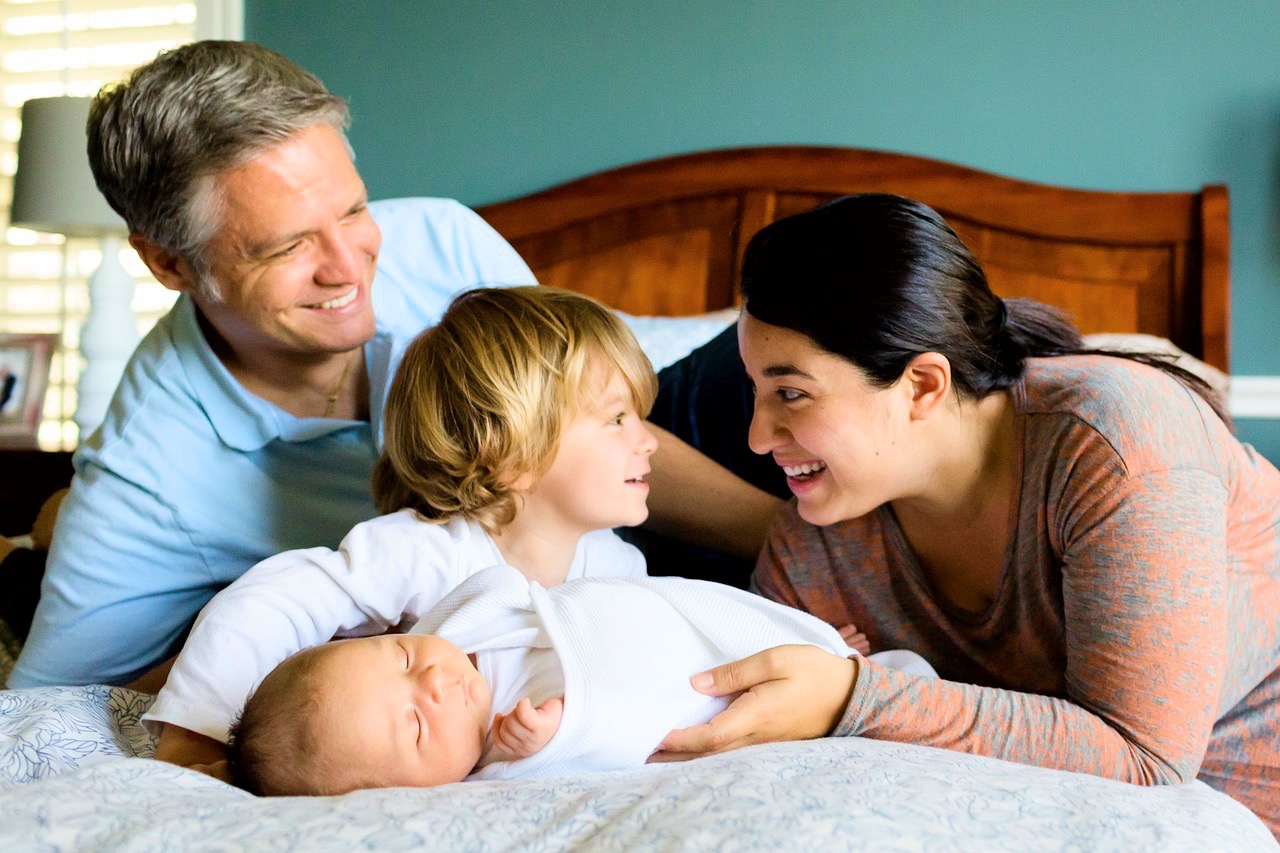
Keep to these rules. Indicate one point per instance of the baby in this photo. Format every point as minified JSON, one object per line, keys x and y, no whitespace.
{"x":595,"y":670}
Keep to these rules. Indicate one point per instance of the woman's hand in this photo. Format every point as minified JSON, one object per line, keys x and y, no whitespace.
{"x":791,"y":693}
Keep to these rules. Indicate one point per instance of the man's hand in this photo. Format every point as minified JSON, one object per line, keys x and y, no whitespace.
{"x":791,"y":693}
{"x":524,"y":731}
{"x":855,"y":639}
{"x":42,"y":528}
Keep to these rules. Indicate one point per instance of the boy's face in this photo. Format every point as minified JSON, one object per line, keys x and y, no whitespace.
{"x":597,"y":477}
{"x":399,"y":710}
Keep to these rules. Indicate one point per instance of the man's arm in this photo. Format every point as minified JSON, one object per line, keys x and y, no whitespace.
{"x":122,"y":584}
{"x":697,"y":500}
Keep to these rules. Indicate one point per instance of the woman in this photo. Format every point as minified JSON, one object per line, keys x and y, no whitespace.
{"x":1075,"y":540}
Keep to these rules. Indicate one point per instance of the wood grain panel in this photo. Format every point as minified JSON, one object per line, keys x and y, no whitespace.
{"x":637,"y":276}
{"x":1120,"y":261}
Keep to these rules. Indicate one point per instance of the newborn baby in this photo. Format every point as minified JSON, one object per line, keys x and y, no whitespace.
{"x":595,"y":671}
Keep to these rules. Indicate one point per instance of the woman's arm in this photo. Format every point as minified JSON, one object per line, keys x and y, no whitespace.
{"x":791,"y":693}
{"x":1144,"y":633}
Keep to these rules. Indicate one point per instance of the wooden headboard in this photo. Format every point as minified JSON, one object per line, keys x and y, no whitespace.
{"x":666,"y":236}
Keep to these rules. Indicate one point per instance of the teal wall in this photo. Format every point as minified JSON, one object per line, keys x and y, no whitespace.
{"x":482,"y":100}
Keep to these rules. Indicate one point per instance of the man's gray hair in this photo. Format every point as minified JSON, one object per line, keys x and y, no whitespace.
{"x":158,"y":140}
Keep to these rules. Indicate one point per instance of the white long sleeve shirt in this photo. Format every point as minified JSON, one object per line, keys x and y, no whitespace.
{"x":387,"y":572}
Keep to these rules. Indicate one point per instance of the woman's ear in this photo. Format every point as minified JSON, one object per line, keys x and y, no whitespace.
{"x":169,"y":269}
{"x":928,"y":375}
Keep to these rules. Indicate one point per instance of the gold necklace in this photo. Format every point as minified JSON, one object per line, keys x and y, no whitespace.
{"x":332,"y":402}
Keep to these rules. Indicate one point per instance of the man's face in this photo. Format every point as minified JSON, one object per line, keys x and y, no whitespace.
{"x":295,"y":254}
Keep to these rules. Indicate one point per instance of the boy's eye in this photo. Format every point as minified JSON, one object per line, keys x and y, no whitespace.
{"x":617,"y":419}
{"x":787,"y":395}
{"x":406,"y":658}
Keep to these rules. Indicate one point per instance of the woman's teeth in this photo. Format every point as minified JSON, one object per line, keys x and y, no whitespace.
{"x":804,"y":470}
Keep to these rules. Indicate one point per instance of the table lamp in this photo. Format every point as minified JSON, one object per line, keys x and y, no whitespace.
{"x":54,"y":191}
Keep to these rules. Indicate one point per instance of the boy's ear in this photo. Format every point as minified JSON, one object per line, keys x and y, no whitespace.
{"x":169,"y":269}
{"x":523,"y":483}
{"x":517,"y":482}
{"x":928,"y":376}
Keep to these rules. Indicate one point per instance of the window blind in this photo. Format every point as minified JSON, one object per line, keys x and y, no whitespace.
{"x":69,"y":47}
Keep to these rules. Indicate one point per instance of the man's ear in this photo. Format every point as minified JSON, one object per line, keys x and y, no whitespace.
{"x":169,"y":269}
{"x":928,"y":376}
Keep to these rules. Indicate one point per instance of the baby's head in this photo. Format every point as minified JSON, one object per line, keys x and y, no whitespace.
{"x":480,"y":400}
{"x":375,"y":712}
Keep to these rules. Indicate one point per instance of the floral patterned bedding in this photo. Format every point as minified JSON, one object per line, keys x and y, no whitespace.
{"x":74,"y":775}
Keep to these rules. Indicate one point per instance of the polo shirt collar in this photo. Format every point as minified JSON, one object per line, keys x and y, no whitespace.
{"x":243,"y":421}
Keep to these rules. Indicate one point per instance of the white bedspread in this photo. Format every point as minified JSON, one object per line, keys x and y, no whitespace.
{"x":69,"y":779}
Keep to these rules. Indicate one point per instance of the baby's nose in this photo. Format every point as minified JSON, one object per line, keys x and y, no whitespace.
{"x":440,"y":684}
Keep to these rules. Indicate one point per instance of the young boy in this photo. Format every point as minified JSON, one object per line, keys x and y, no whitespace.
{"x":597,"y":671}
{"x":514,"y":436}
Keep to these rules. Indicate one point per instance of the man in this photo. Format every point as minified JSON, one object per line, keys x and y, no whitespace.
{"x":248,"y":420}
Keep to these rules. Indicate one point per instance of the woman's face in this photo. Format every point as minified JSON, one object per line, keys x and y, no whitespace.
{"x":840,"y":441}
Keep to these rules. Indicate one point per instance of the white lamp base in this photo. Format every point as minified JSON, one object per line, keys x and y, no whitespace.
{"x":107,"y":338}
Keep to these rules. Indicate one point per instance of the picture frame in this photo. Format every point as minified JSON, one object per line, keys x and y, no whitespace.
{"x":24,"y":379}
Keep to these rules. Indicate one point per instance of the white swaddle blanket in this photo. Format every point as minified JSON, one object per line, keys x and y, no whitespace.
{"x":621,"y":652}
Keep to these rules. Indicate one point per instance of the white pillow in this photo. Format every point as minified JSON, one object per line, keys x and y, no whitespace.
{"x":666,"y":340}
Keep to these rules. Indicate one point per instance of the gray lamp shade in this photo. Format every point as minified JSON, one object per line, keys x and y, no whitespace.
{"x":53,"y":189}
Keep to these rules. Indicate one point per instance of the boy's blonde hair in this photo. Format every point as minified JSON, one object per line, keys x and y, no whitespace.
{"x":480,"y":399}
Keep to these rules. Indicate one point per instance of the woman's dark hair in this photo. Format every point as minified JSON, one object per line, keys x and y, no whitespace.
{"x":878,"y":279}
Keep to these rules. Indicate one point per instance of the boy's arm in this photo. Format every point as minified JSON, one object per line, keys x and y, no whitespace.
{"x":382,"y":574}
{"x":522,"y":732}
{"x":187,"y":749}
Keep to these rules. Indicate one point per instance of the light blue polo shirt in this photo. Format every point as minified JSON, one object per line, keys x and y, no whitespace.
{"x":191,"y":479}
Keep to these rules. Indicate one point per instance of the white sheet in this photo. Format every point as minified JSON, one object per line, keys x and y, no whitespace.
{"x":69,"y":780}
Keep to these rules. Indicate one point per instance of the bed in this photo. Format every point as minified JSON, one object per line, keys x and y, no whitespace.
{"x":661,"y":241}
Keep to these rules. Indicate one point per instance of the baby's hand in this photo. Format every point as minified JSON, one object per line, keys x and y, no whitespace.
{"x":525,"y":730}
{"x":855,"y":639}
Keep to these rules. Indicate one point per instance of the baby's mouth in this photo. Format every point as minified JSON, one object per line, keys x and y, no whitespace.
{"x":805,"y":471}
